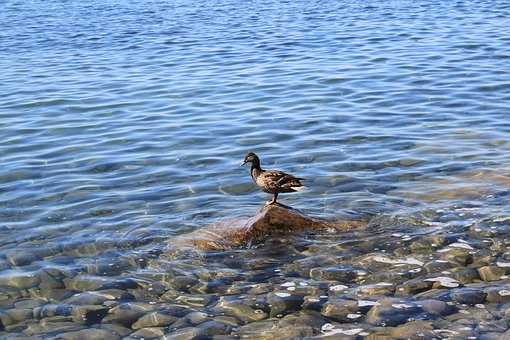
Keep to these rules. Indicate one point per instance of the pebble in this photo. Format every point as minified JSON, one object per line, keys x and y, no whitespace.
{"x":89,"y":314}
{"x":491,"y":273}
{"x":148,"y":333}
{"x":340,"y":274}
{"x":154,"y":319}
{"x":394,"y":312}
{"x":338,"y":309}
{"x":239,"y":310}
{"x":413,"y":287}
{"x":283,"y":303}
{"x":89,"y":334}
{"x":127,"y":313}
{"x":468,"y":296}
{"x":19,"y":279}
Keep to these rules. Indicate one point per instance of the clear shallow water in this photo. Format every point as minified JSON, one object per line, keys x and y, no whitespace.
{"x":123,"y":124}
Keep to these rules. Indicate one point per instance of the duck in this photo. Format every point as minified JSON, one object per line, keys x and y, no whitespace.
{"x":272,"y":181}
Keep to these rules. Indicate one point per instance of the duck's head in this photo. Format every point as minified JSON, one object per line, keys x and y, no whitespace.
{"x":251,"y":158}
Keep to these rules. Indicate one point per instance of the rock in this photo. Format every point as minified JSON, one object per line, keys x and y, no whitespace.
{"x":127,"y":313}
{"x":269,"y":330}
{"x":116,"y":329}
{"x":270,"y":220}
{"x":21,"y":257}
{"x":302,"y":267}
{"x":89,"y":315}
{"x":459,"y":256}
{"x":303,"y":318}
{"x":438,"y":266}
{"x":89,"y":298}
{"x":282,"y":303}
{"x":491,"y":273}
{"x":314,"y":302}
{"x":154,"y":319}
{"x":464,"y":275}
{"x":413,"y":287}
{"x":50,"y":310}
{"x":196,"y":318}
{"x":52,"y":325}
{"x":183,"y":283}
{"x":211,"y":328}
{"x":414,"y":330}
{"x":394,"y":312}
{"x":197,"y":301}
{"x":498,"y":294}
{"x":29,"y":303}
{"x":91,"y":283}
{"x":187,"y":333}
{"x":240,"y":310}
{"x":339,"y":309}
{"x":256,"y":328}
{"x":89,"y":334}
{"x":340,"y":274}
{"x":377,"y":289}
{"x":16,"y":315}
{"x":436,"y":307}
{"x":468,"y":296}
{"x":19,"y":279}
{"x":148,"y":333}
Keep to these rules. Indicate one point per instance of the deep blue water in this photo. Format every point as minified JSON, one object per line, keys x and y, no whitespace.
{"x":127,"y":120}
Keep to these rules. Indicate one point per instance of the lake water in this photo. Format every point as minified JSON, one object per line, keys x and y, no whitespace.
{"x":123,"y":123}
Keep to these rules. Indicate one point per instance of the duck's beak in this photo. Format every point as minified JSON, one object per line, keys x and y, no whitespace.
{"x":243,"y":163}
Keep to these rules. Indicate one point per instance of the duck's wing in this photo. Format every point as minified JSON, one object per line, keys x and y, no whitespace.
{"x":282,"y":180}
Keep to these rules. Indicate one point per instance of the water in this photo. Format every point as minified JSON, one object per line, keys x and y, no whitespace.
{"x":123,"y":123}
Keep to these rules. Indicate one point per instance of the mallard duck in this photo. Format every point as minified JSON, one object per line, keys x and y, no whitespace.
{"x":272,"y":181}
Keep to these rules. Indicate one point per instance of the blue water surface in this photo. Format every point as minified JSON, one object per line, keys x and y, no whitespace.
{"x":127,"y":120}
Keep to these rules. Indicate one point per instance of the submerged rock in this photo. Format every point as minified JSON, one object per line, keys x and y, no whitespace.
{"x":89,"y":334}
{"x":19,"y":279}
{"x":154,"y":319}
{"x":127,"y":313}
{"x":270,"y":220}
{"x":240,"y":310}
{"x":394,"y":312}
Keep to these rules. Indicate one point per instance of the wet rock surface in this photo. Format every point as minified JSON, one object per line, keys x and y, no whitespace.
{"x":394,"y":279}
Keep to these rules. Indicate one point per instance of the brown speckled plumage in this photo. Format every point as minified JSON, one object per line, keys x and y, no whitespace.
{"x":272,"y":181}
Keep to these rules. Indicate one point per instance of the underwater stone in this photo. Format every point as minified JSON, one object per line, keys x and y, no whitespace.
{"x":498,"y":294}
{"x":212,"y":328}
{"x":464,"y":275}
{"x":127,"y":313}
{"x":338,"y":309}
{"x":154,"y":319}
{"x":282,"y":303}
{"x":240,"y":310}
{"x":413,"y":286}
{"x":414,"y":330}
{"x":19,"y":279}
{"x":89,"y":315}
{"x":344,"y":275}
{"x":89,"y":334}
{"x":491,"y":273}
{"x":91,"y":283}
{"x":468,"y":296}
{"x":148,"y":333}
{"x":436,"y":307}
{"x":394,"y":312}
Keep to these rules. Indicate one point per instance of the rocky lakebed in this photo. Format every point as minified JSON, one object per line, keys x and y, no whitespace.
{"x":424,"y":276}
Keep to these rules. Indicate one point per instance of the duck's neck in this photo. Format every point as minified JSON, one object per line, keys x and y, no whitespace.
{"x":256,"y":170}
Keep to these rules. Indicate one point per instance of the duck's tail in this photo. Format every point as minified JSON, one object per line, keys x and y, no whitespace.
{"x":300,"y":188}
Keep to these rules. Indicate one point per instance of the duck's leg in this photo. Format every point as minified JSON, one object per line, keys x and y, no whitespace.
{"x":274,"y":198}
